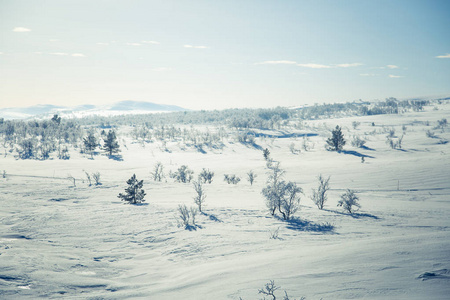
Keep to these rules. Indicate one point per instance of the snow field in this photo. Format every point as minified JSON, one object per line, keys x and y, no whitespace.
{"x":61,"y":241}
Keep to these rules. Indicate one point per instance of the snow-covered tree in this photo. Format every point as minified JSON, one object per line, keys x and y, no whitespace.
{"x":319,"y":196}
{"x":280,"y":195}
{"x":134,"y":192}
{"x":348,"y":201}
{"x":272,"y":190}
{"x":290,"y":199}
{"x":336,"y":142}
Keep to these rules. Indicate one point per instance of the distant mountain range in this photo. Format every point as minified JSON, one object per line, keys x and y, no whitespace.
{"x":119,"y":108}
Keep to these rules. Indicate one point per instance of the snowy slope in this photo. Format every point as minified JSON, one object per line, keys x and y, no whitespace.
{"x":81,"y":242}
{"x":118,"y":108}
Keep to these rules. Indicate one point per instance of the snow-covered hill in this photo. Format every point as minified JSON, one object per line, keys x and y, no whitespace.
{"x":119,"y":108}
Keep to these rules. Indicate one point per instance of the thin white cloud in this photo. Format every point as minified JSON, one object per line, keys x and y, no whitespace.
{"x":103,"y":44}
{"x":1,"y":53}
{"x":395,"y":76}
{"x":150,"y":42}
{"x":67,"y":54}
{"x":447,"y":55}
{"x":392,"y":66}
{"x":134,"y":44}
{"x":277,"y":62}
{"x":162,"y":69}
{"x":53,"y":40}
{"x":309,"y":65}
{"x":367,"y":74}
{"x":314,"y":66}
{"x":196,"y":47}
{"x":348,"y":65}
{"x":21,"y":29}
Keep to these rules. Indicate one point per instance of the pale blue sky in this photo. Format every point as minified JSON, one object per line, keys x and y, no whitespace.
{"x":221,"y":54}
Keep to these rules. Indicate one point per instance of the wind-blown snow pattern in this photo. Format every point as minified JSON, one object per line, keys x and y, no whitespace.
{"x":58,"y":240}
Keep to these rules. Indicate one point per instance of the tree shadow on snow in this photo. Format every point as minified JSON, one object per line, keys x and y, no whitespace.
{"x":367,"y":148}
{"x":305,"y":225}
{"x":138,"y":204}
{"x":354,"y":215}
{"x":212,"y":217}
{"x":200,"y":149}
{"x":356,"y":153}
{"x":116,"y":157}
{"x":192,"y":227}
{"x":253,"y":145}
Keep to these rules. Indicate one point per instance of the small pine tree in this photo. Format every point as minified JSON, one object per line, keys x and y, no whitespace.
{"x":56,"y":119}
{"x":134,"y":192}
{"x":90,"y":143}
{"x":111,"y":145}
{"x":266,"y":154}
{"x":336,"y":142}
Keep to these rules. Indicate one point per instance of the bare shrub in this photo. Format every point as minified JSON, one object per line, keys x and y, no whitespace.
{"x":306,"y":145}
{"x":187,"y":216}
{"x":158,"y":172}
{"x":431,"y":134}
{"x":358,"y":142}
{"x":269,"y":289}
{"x":199,"y":199}
{"x":251,"y":176}
{"x":348,"y":201}
{"x":231,"y":179}
{"x":64,"y":153}
{"x":274,"y":235}
{"x":246,"y":137}
{"x":73,"y":179}
{"x":293,"y":149}
{"x":319,"y":196}
{"x":355,"y":124}
{"x":96,"y":177}
{"x":269,"y":163}
{"x":206,"y":175}
{"x":88,"y":177}
{"x":183,"y":174}
{"x":394,"y":143}
{"x":442,"y":123}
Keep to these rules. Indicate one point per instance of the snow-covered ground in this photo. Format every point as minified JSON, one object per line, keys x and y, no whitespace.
{"x":63,"y":241}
